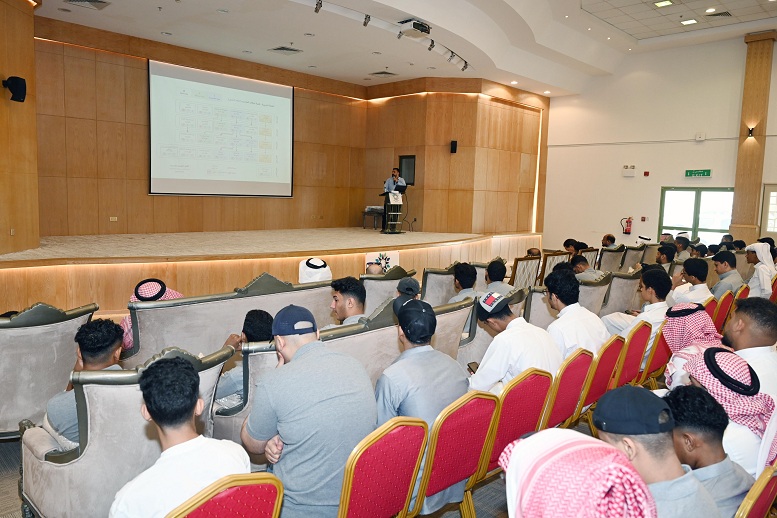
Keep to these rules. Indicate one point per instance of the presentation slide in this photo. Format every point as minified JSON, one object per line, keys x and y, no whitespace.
{"x":215,"y":134}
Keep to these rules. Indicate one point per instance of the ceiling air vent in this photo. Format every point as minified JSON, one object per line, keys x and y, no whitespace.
{"x":724,"y":14}
{"x":383,"y":73}
{"x":89,"y":4}
{"x":286,"y":51}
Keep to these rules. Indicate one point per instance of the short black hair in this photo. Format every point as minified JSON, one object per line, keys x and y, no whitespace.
{"x":724,"y":256}
{"x":769,"y":241}
{"x":564,"y":285}
{"x":97,"y":340}
{"x":761,"y":312}
{"x":350,"y":287}
{"x":739,"y":244}
{"x":395,"y":169}
{"x":171,"y":387}
{"x":697,"y":267}
{"x":696,"y":410}
{"x":659,"y":280}
{"x":578,"y":259}
{"x":727,"y":237}
{"x":702,"y":249}
{"x":496,"y":270}
{"x":668,"y":251}
{"x":466,"y":274}
{"x":684,"y":241}
{"x":714,"y":248}
{"x":609,"y":238}
{"x":569,"y":242}
{"x":580,"y":246}
{"x":257,"y":326}
{"x":566,"y":265}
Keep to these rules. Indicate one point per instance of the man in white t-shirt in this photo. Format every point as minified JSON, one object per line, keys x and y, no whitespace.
{"x":189,"y":461}
{"x":690,"y":284}
{"x":576,"y":327}
{"x":751,"y":331}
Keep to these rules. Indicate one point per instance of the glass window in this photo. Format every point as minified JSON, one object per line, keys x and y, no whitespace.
{"x":678,"y":208}
{"x":771,"y":226}
{"x":703,"y":213}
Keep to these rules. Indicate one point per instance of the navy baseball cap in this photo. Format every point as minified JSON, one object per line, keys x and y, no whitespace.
{"x":632,"y":410}
{"x":293,"y":320}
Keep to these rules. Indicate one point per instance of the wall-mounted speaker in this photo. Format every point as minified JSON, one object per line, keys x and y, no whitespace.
{"x":454,"y":146}
{"x":18,"y":88}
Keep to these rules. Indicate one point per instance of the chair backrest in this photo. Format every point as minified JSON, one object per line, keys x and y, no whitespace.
{"x":381,"y":471}
{"x":744,"y":268}
{"x":712,"y":275}
{"x":710,"y":306}
{"x":675,"y":267}
{"x":38,"y":353}
{"x":658,"y":357}
{"x":258,"y":495}
{"x":722,"y":310}
{"x":200,"y":324}
{"x":437,"y":287}
{"x":620,"y":297}
{"x":742,"y":292}
{"x":590,"y":254}
{"x":632,"y":256}
{"x":611,"y":259}
{"x":773,"y":297}
{"x":549,"y":260}
{"x":761,"y":496}
{"x":537,"y":310}
{"x":382,"y":286}
{"x":525,"y":270}
{"x":520,"y":409}
{"x":592,"y":293}
{"x":449,"y":459}
{"x":480,"y":268}
{"x":567,"y":388}
{"x":603,"y":369}
{"x":649,"y":255}
{"x":633,"y":352}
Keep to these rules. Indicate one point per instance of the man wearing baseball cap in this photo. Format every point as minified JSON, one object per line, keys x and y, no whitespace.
{"x":640,"y":424}
{"x":420,"y":383}
{"x":308,"y":414}
{"x":409,"y":287}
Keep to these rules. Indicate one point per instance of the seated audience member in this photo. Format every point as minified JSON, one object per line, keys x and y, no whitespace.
{"x":464,"y":278}
{"x":688,"y":329}
{"x":146,"y":290}
{"x":665,"y":255}
{"x":410,"y":287}
{"x":257,"y":327}
{"x":700,"y":422}
{"x":99,"y":348}
{"x":725,"y":264}
{"x":580,"y":246}
{"x":714,"y":249}
{"x":727,"y":238}
{"x":751,"y":331}
{"x":734,"y":384}
{"x":760,"y":283}
{"x":738,"y":244}
{"x":533,"y":252}
{"x":608,"y":241}
{"x":698,"y":250}
{"x":421,"y":383}
{"x":640,"y":424}
{"x":583,"y":270}
{"x":348,"y":297}
{"x":690,"y":284}
{"x":769,"y":241}
{"x":518,"y":346}
{"x":559,"y":472}
{"x":565,"y":266}
{"x":569,"y":246}
{"x":666,"y":237}
{"x":654,"y":286}
{"x":189,"y":462}
{"x":308,"y":414}
{"x":374,"y":269}
{"x":576,"y":327}
{"x":495,"y":275}
{"x":314,"y":270}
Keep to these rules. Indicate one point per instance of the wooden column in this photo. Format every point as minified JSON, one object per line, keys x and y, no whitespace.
{"x":746,"y":215}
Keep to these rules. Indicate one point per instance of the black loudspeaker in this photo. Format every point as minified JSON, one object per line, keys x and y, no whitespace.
{"x":18,"y":88}
{"x":454,"y":146}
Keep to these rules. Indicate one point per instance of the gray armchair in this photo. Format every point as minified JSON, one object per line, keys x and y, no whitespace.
{"x":116,"y":444}
{"x":632,"y":257}
{"x":610,"y":259}
{"x":592,"y":293}
{"x":525,"y":270}
{"x":383,"y":286}
{"x":549,"y":260}
{"x":437,"y":287}
{"x":622,"y":293}
{"x":538,"y":311}
{"x":38,"y":353}
{"x":649,"y":255}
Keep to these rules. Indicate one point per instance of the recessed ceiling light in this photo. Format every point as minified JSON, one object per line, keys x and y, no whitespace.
{"x":64,"y":10}
{"x":312,"y":66}
{"x":608,"y":37}
{"x":710,"y":10}
{"x":513,"y":82}
{"x":411,"y":63}
{"x":629,"y":49}
{"x":589,"y":28}
{"x":431,"y":68}
{"x":222,"y":11}
{"x":663,"y":3}
{"x":546,"y":92}
{"x":167,"y":33}
{"x":689,"y":22}
{"x":566,"y":16}
{"x":309,"y":34}
{"x":377,"y":53}
{"x":247,"y":52}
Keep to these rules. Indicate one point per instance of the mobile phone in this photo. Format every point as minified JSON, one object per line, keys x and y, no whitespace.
{"x":473,"y":367}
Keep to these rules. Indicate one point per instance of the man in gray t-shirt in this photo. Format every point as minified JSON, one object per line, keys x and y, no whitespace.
{"x":308,"y":415}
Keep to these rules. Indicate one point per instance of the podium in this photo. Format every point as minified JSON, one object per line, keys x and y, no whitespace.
{"x":392,"y":211}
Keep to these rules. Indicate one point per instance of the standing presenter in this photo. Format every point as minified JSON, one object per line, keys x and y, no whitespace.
{"x":390,"y":185}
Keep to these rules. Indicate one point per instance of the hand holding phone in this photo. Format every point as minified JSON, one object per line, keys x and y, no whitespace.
{"x":473,"y":367}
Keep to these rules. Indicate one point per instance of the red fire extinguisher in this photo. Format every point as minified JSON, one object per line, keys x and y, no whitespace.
{"x":627,"y":226}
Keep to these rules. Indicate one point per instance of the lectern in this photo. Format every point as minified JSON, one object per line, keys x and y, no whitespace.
{"x":392,"y":210}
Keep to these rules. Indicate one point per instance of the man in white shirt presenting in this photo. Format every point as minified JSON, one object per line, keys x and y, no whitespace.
{"x":189,"y":461}
{"x":575,"y":326}
{"x":690,"y":284}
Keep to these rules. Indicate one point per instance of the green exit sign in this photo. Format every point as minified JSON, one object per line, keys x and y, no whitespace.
{"x":698,"y":172}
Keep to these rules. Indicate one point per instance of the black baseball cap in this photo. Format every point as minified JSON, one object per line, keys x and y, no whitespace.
{"x":417,"y":320}
{"x":632,"y":410}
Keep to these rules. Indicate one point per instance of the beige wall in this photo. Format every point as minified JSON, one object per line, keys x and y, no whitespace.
{"x":18,"y":144}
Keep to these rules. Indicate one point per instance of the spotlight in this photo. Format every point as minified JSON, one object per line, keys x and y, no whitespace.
{"x":366,"y":19}
{"x":18,"y":88}
{"x":431,"y":45}
{"x":465,"y":67}
{"x":749,"y":130}
{"x":319,"y":4}
{"x":453,"y":55}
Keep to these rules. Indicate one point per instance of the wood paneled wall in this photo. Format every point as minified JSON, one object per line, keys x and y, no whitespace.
{"x":18,"y":141}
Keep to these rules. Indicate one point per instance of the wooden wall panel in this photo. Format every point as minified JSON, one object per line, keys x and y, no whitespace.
{"x":50,"y":68}
{"x":81,"y":147}
{"x":83,"y":212}
{"x":109,"y":85}
{"x":51,"y":143}
{"x":53,"y":205}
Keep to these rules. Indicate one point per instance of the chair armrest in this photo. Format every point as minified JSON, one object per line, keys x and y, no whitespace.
{"x":39,"y":442}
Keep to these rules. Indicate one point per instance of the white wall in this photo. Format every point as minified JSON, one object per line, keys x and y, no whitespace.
{"x":647,"y":114}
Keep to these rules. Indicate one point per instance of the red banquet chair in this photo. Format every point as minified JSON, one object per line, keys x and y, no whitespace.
{"x":603,"y":369}
{"x":743,"y":292}
{"x":457,"y":448}
{"x":710,"y":306}
{"x":656,"y":362}
{"x":721,"y":312}
{"x":761,"y":496}
{"x":567,"y":389}
{"x":258,"y":495}
{"x":633,"y":352}
{"x":520,"y":408}
{"x":381,"y":471}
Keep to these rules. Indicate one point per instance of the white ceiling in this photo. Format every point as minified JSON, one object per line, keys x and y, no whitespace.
{"x":543,"y":45}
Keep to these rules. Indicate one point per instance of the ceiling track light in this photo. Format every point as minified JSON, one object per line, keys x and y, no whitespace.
{"x":431,"y":45}
{"x":453,"y":55}
{"x":319,"y":5}
{"x":465,"y":67}
{"x":366,"y":20}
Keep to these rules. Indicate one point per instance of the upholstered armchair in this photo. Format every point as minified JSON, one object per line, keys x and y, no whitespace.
{"x":592,"y":293}
{"x":437,"y":287}
{"x":621,"y":294}
{"x":382,"y":286}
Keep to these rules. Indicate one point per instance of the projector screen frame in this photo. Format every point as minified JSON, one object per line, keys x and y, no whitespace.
{"x":220,"y":195}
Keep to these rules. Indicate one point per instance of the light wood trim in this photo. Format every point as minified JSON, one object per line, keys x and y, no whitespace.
{"x":760,"y":36}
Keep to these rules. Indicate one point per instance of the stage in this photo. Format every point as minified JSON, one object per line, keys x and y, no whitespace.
{"x":67,"y":272}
